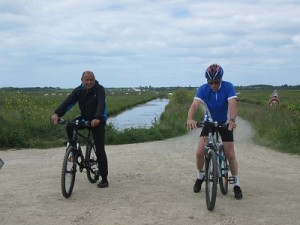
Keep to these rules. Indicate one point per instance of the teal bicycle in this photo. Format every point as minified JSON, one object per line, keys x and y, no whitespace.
{"x":216,"y":164}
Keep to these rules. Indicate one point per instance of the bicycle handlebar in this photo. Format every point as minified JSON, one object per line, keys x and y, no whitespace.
{"x":79,"y":123}
{"x":211,"y":123}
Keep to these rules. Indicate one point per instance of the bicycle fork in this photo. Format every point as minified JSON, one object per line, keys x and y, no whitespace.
{"x":78,"y":155}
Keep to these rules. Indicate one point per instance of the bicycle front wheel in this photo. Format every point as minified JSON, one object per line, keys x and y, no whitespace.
{"x":224,"y":169}
{"x":91,"y":164}
{"x":211,"y":179}
{"x":68,"y":172}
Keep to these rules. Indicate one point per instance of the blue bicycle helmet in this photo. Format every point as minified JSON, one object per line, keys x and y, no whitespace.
{"x":214,"y":72}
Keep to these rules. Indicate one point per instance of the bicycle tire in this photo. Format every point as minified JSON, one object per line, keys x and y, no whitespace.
{"x":91,"y":164}
{"x":211,"y":179}
{"x":223,"y":171}
{"x":68,"y":172}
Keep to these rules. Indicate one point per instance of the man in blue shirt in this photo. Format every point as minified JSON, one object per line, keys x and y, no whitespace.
{"x":220,"y":101}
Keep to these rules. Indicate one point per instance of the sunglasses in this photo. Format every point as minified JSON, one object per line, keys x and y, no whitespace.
{"x":213,"y":82}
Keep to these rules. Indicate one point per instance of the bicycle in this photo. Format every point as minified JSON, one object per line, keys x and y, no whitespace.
{"x":216,"y":164}
{"x":74,"y":157}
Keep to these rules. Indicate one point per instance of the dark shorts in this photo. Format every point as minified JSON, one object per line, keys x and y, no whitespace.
{"x":226,"y":135}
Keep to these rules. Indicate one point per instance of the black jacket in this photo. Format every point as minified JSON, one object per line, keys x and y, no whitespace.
{"x":92,"y":104}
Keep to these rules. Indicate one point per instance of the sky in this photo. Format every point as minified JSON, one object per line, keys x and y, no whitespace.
{"x":158,"y":43}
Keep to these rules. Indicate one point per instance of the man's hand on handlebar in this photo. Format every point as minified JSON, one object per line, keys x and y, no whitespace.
{"x":95,"y":122}
{"x":55,"y":118}
{"x":191,"y":124}
{"x":231,"y":125}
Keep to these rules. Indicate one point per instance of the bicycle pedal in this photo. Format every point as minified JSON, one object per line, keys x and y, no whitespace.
{"x":232,"y":180}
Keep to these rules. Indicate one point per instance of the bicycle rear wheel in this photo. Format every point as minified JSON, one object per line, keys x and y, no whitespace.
{"x":91,"y":163}
{"x":68,"y":172}
{"x":211,"y":179}
{"x":224,"y":169}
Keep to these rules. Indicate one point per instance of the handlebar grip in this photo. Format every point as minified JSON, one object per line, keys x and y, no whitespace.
{"x":199,"y":124}
{"x":87,"y":123}
{"x":61,"y":121}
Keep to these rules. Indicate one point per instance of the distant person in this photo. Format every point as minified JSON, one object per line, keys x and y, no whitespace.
{"x":90,"y":96}
{"x":221,"y":100}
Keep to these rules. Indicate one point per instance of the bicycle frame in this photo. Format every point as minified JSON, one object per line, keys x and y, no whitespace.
{"x":76,"y":127}
{"x":74,"y":156}
{"x":215,"y":144}
{"x":216,"y":166}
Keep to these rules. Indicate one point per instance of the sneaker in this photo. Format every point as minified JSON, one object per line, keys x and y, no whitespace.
{"x":103,"y":184}
{"x":197,"y":185}
{"x":238,"y":194}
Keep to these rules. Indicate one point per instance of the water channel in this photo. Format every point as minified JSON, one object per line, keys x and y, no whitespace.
{"x":141,"y":116}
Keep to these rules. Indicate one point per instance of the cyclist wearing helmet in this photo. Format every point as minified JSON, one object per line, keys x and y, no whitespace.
{"x":220,"y":99}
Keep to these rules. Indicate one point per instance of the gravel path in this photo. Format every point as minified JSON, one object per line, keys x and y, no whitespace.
{"x":150,"y":183}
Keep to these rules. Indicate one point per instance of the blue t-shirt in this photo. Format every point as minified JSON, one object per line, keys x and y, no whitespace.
{"x":217,"y":101}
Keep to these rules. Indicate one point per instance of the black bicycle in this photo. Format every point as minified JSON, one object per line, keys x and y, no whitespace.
{"x":216,"y":164}
{"x":74,"y":157}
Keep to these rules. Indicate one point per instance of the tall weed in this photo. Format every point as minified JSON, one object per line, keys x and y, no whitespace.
{"x":279,"y":129}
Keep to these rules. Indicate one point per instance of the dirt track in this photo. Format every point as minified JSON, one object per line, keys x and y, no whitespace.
{"x":150,"y":183}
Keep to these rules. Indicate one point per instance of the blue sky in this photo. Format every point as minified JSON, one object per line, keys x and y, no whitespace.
{"x":161,"y":43}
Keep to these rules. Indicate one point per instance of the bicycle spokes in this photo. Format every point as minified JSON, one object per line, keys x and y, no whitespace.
{"x":211,"y":174}
{"x":68,"y":172}
{"x":92,"y":164}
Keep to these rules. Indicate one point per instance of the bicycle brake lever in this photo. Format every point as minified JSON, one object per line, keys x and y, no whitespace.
{"x":61,"y":121}
{"x":199,"y":124}
{"x":87,"y":123}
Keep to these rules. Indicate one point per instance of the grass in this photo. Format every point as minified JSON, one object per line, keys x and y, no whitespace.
{"x":172,"y":123}
{"x":25,"y":118}
{"x":275,"y":128}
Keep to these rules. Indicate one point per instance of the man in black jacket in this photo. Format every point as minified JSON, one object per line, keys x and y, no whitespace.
{"x":90,"y":96}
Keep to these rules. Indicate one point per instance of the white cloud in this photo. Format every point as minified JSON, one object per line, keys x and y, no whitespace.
{"x":296,"y":40}
{"x":167,"y":43}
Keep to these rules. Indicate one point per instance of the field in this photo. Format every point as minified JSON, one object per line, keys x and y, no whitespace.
{"x":289,"y":99}
{"x":278,"y":127}
{"x":25,"y":117}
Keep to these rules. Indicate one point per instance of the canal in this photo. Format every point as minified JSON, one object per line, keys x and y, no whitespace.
{"x":141,"y":116}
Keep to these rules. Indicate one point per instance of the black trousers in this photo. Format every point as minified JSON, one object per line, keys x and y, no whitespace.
{"x":99,"y":139}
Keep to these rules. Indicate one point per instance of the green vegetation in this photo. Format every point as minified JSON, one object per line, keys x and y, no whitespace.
{"x":289,"y":98}
{"x":276,"y":128}
{"x":25,"y":116}
{"x":172,"y":123}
